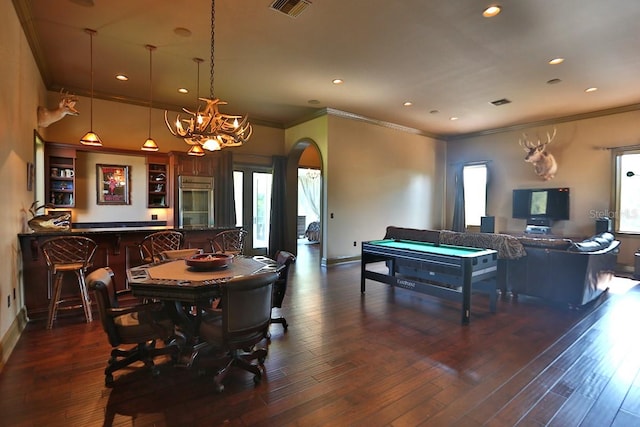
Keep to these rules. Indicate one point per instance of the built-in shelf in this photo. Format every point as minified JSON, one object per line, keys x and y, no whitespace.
{"x":61,"y":179}
{"x":157,"y":185}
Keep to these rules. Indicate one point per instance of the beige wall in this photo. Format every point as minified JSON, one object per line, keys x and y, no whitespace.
{"x":376,"y":177}
{"x":21,"y":88}
{"x":585,"y":166}
{"x":373,"y":176}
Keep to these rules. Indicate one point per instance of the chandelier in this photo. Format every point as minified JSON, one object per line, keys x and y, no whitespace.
{"x":207,"y":128}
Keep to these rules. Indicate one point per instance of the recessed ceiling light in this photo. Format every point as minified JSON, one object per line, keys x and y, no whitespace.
{"x":553,"y":81}
{"x":183,"y":90}
{"x":556,"y":61}
{"x":337,"y":81}
{"x":434,"y":111}
{"x":122,"y":77}
{"x":182,"y":32}
{"x":313,"y":102}
{"x":491,"y":11}
{"x":591,"y":89}
{"x":453,"y":119}
{"x":408,"y":104}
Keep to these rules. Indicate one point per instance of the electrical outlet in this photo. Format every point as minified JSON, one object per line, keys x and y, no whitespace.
{"x":154,"y":217}
{"x":331,"y":215}
{"x":355,"y":243}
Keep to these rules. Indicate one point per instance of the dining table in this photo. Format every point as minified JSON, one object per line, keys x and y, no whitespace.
{"x":187,"y":291}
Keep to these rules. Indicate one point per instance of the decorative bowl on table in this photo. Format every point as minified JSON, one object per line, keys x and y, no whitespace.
{"x":209,"y":261}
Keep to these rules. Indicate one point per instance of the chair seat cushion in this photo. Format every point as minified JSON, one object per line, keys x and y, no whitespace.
{"x":143,"y":326}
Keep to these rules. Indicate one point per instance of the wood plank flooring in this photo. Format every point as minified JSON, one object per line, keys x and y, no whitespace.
{"x":385,"y":358}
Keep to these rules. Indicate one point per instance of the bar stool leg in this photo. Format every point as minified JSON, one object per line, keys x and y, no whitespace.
{"x":55,"y":297}
{"x":86,"y":301}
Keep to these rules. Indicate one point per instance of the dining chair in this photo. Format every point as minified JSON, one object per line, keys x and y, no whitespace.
{"x":229,"y":242}
{"x":283,"y":259}
{"x":243,"y":323}
{"x":68,"y":254}
{"x":154,"y":244}
{"x":140,"y":325}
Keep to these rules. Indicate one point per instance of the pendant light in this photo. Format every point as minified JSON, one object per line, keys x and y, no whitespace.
{"x":91,"y":138}
{"x":150,"y":144}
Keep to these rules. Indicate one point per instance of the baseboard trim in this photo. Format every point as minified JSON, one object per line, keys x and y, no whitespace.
{"x":326,"y":262}
{"x":10,"y":339}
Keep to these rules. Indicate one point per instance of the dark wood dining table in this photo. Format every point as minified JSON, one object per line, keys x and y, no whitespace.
{"x":188,"y":292}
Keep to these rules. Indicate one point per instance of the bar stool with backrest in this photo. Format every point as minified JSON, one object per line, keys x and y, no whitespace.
{"x":63,"y":255}
{"x":154,"y":244}
{"x":229,"y":242}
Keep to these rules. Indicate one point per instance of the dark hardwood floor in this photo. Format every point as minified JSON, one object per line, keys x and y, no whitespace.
{"x":386,"y":358}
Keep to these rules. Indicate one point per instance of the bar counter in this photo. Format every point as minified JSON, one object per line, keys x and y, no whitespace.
{"x":117,"y":249}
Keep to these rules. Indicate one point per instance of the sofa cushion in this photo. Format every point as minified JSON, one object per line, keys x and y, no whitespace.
{"x":594,"y":243}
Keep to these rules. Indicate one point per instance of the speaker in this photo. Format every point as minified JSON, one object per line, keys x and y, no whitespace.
{"x":487,"y":224}
{"x":603,"y":225}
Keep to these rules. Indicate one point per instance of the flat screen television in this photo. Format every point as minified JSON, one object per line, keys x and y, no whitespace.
{"x":546,"y":203}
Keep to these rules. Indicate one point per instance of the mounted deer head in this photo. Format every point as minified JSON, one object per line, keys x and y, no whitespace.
{"x":66,"y":106}
{"x":544,"y":164}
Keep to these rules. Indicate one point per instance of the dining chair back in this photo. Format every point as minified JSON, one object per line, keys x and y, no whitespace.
{"x":243,"y":323}
{"x":68,"y":254}
{"x":140,"y":325}
{"x":284,"y":260}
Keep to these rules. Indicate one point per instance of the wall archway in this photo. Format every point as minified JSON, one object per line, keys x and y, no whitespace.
{"x":293,"y":162}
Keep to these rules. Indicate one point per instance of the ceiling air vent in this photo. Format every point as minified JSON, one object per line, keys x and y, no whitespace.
{"x":499,"y":102}
{"x":291,"y":8}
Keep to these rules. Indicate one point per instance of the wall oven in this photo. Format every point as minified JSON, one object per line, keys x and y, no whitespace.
{"x":195,"y":201}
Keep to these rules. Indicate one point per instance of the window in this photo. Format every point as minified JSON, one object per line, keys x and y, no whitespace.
{"x":627,"y":212}
{"x":474,"y":179}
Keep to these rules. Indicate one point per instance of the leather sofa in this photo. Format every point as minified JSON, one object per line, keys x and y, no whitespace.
{"x":557,"y":270}
{"x":565,"y":272}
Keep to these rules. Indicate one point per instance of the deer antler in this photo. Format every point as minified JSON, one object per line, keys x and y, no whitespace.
{"x":551,"y":137}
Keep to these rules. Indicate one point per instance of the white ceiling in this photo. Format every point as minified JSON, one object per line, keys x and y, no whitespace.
{"x":441,"y":55}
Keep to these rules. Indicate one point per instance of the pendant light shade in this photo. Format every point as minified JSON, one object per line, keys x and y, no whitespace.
{"x":150,"y":144}
{"x":196,"y":150}
{"x":91,"y":138}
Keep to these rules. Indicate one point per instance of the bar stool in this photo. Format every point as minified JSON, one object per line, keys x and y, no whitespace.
{"x":154,"y":244}
{"x":229,"y":242}
{"x":63,"y":255}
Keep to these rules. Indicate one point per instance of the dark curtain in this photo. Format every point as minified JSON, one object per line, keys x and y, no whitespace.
{"x":224,"y":202}
{"x":458,"y":204}
{"x":278,"y":208}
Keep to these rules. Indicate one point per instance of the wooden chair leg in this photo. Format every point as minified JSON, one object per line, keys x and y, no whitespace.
{"x":55,"y":298}
{"x":84,"y":294}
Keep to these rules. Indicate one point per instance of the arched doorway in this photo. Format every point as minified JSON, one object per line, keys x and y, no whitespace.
{"x":305,"y":200}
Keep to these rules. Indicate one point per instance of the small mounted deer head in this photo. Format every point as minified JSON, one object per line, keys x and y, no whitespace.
{"x":66,"y":106}
{"x":544,"y":164}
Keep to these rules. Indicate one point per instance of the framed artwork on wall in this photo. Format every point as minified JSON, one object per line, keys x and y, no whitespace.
{"x":114,"y":184}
